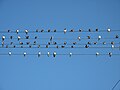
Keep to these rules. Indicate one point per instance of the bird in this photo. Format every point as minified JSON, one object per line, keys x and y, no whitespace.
{"x":48,"y":43}
{"x":112,"y":43}
{"x":34,"y":42}
{"x":30,"y":46}
{"x":48,"y":30}
{"x":89,"y":43}
{"x":21,"y":43}
{"x":11,"y":43}
{"x":54,"y":43}
{"x":27,"y":43}
{"x":112,"y":46}
{"x":42,"y":30}
{"x":35,"y":37}
{"x":65,"y":43}
{"x":70,"y":54}
{"x":80,"y":30}
{"x":11,"y":37}
{"x":116,"y":36}
{"x":95,"y":42}
{"x":89,"y":30}
{"x":24,"y":54}
{"x":39,"y":54}
{"x":72,"y":30}
{"x":37,"y":30}
{"x":74,"y":43}
{"x":48,"y":54}
{"x":108,"y":30}
{"x":38,"y":46}
{"x":9,"y":53}
{"x":55,"y":30}
{"x":63,"y":46}
{"x":57,"y":46}
{"x":97,"y":53}
{"x":72,"y":46}
{"x":96,"y":29}
{"x":79,"y":38}
{"x":110,"y":54}
{"x":51,"y":38}
{"x":27,"y":37}
{"x":65,"y":30}
{"x":17,"y":31}
{"x":54,"y":54}
{"x":99,"y":37}
{"x":3,"y":38}
{"x":26,"y":31}
{"x":86,"y":46}
{"x":47,"y":46}
{"x":6,"y":46}
{"x":19,"y":38}
{"x":88,"y":37}
{"x":2,"y":43}
{"x":104,"y":43}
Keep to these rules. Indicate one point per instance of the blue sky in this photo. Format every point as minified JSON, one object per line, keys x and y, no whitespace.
{"x":62,"y":72}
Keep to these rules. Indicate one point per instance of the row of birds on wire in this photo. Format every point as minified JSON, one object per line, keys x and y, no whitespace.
{"x":54,"y":54}
{"x":64,"y":31}
{"x":51,"y":38}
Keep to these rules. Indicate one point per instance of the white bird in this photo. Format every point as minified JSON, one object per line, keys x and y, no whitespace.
{"x":110,"y":54}
{"x":79,"y":38}
{"x":19,"y":37}
{"x":17,"y":31}
{"x":65,"y":30}
{"x":99,"y":37}
{"x":70,"y":54}
{"x":3,"y":38}
{"x":54,"y":54}
{"x":48,"y":54}
{"x":10,"y":53}
{"x":39,"y":53}
{"x":97,"y":53}
{"x":108,"y":30}
{"x":24,"y":54}
{"x":112,"y":46}
{"x":26,"y":31}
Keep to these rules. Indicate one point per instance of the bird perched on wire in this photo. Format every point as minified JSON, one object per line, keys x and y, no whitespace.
{"x":65,"y":30}
{"x":86,"y":46}
{"x":10,"y":53}
{"x":99,"y":37}
{"x":39,"y":54}
{"x":97,"y":53}
{"x":17,"y":31}
{"x":3,"y":38}
{"x":70,"y":54}
{"x":24,"y":54}
{"x":79,"y":38}
{"x":48,"y":54}
{"x":26,"y":31}
{"x":110,"y":54}
{"x":19,"y":38}
{"x":108,"y":30}
{"x":54,"y":54}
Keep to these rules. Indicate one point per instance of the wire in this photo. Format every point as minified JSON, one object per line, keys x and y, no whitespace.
{"x":61,"y":47}
{"x":39,"y":31}
{"x":115,"y":84}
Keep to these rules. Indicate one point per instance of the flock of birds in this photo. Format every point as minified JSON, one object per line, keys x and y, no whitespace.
{"x":55,"y":44}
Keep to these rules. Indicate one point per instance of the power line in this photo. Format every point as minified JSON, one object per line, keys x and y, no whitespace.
{"x":115,"y":84}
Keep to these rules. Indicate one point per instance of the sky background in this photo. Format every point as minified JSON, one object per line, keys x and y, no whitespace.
{"x":61,"y":72}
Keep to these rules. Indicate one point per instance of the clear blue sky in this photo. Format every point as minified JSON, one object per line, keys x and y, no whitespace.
{"x":62,"y":72}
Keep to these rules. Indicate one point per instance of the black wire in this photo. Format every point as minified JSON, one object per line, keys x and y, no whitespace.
{"x":60,"y":47}
{"x":115,"y":84}
{"x":59,"y":31}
